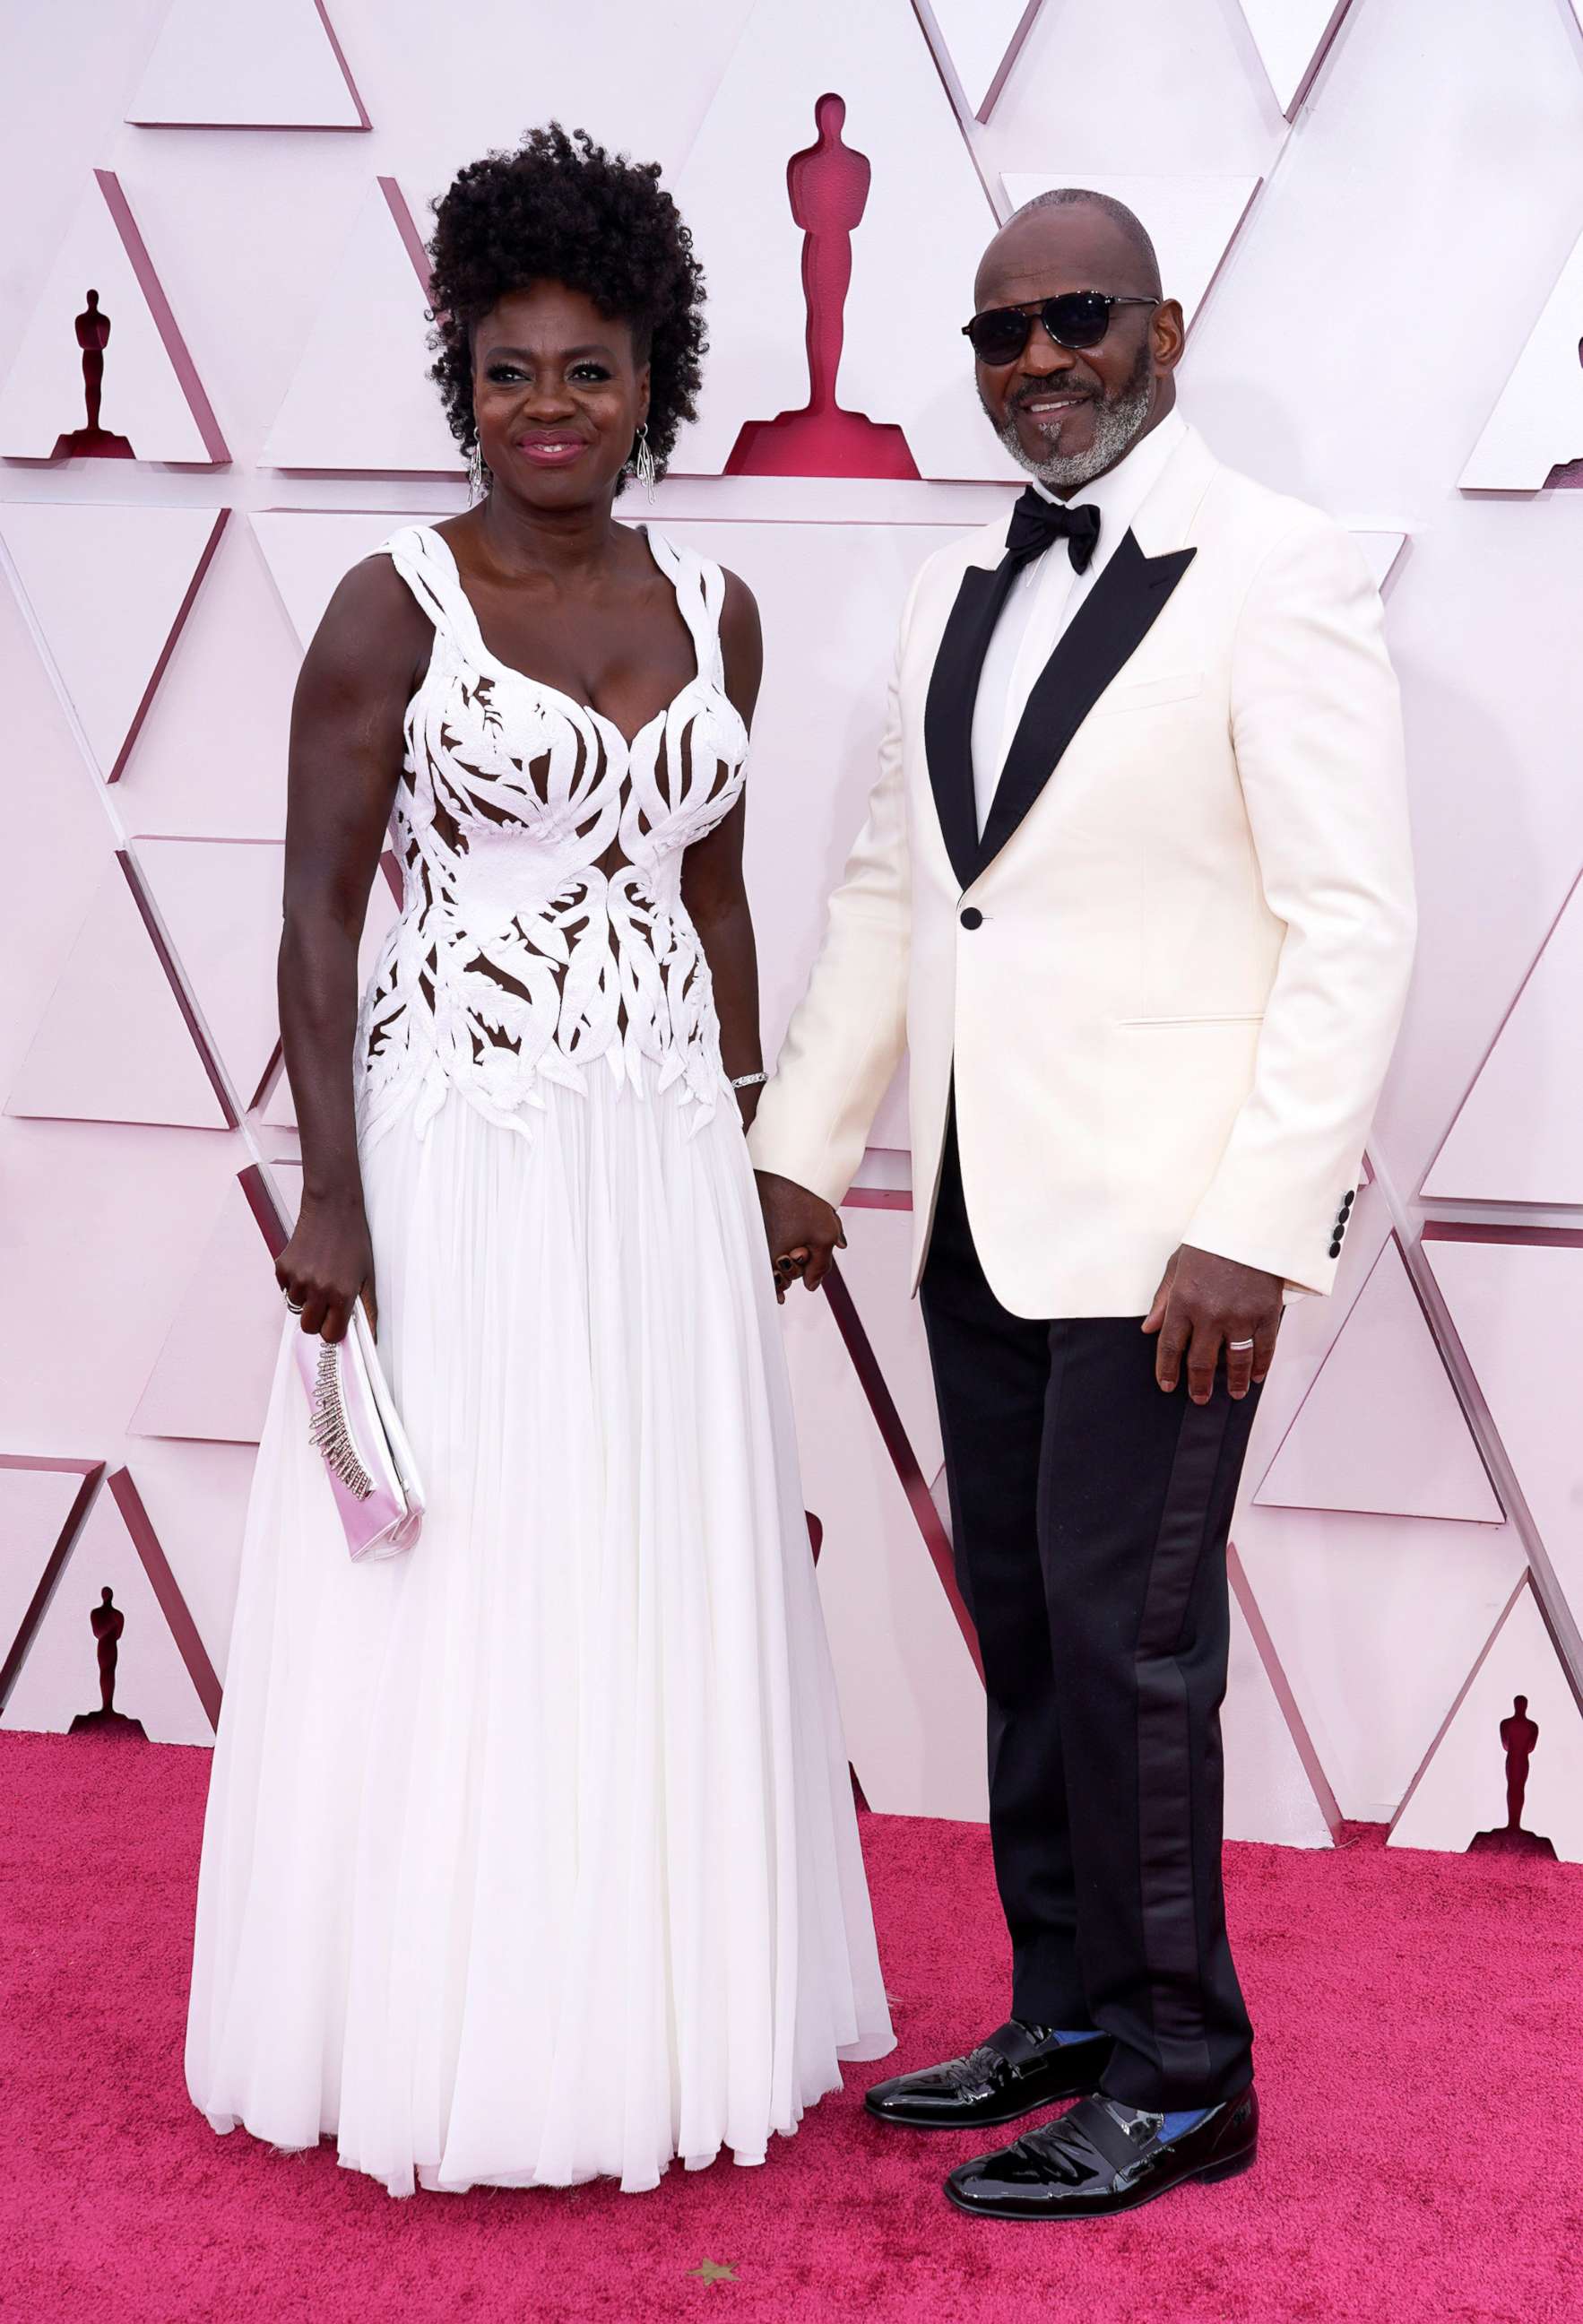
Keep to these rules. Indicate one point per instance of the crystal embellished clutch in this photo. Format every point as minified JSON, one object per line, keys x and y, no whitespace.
{"x":353,"y":1424}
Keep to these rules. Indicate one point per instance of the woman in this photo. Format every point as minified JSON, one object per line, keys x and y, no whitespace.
{"x":531,"y":1854}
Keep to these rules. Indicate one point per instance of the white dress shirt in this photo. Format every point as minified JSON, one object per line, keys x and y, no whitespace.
{"x":1046,"y":596}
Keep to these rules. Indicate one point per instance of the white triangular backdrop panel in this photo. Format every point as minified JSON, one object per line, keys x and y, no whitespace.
{"x":246,"y":64}
{"x":1381,"y":1429}
{"x":219,"y":902}
{"x":60,"y":1679}
{"x":370,"y":325}
{"x":1292,"y":37}
{"x":1376,"y":1621}
{"x":35,"y":1504}
{"x":1538,"y":423}
{"x":1381,"y":550}
{"x":1515,"y":1305}
{"x":152,"y":395}
{"x":109,"y":587}
{"x":1481,"y":1161}
{"x":113,"y":1044}
{"x":977,"y":43}
{"x":211,"y":1379}
{"x":1462,"y":1790}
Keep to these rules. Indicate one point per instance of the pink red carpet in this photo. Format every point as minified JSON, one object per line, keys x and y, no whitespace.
{"x":1418,"y":2055}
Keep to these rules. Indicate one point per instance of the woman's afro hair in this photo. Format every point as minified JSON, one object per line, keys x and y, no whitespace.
{"x":562,"y":210}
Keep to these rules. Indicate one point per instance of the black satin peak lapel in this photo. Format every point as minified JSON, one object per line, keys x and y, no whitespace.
{"x":948,"y":713}
{"x":1104,"y":634}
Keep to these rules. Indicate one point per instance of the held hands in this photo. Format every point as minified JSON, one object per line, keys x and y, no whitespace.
{"x":1202,"y":1304}
{"x":801,"y":1229}
{"x":327,"y":1263}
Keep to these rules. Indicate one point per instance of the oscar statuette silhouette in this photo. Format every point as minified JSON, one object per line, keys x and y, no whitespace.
{"x":828,"y":186}
{"x":92,"y":442}
{"x":1519,"y":1736}
{"x":108,"y":1622}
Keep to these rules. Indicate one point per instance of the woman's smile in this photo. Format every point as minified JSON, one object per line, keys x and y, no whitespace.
{"x":551,"y":447}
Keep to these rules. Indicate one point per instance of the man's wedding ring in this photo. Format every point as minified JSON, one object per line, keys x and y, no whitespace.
{"x":1236,"y":1347}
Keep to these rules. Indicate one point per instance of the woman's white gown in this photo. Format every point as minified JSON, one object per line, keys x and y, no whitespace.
{"x":531,"y":1854}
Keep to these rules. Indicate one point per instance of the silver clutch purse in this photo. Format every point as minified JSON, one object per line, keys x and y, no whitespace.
{"x":353,"y":1427}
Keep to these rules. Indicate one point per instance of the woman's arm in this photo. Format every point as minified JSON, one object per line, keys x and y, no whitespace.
{"x":345,"y":760}
{"x":713,"y":888}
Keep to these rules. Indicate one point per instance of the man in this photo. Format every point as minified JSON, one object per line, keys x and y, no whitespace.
{"x":1134,"y":889}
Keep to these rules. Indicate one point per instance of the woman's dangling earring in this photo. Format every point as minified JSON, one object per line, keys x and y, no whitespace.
{"x":478,"y":476}
{"x":642,"y":464}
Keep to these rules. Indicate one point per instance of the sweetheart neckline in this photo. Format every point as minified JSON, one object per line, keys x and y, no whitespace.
{"x":543,"y":686}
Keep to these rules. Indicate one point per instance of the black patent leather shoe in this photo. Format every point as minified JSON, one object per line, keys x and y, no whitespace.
{"x":1018,"y":2070}
{"x":1102,"y":2157}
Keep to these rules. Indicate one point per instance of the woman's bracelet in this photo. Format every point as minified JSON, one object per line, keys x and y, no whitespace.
{"x":746,"y":1081}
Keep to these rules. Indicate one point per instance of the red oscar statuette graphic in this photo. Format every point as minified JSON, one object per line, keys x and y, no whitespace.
{"x":92,"y":442}
{"x":828,"y":184}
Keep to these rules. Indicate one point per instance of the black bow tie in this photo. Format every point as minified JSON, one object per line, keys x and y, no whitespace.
{"x":1037,"y":523}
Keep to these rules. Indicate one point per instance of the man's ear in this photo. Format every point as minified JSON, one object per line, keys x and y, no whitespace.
{"x":1167,"y":335}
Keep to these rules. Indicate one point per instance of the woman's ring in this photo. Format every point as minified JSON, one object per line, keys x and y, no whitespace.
{"x":293,"y":1306}
{"x":1236,"y":1347}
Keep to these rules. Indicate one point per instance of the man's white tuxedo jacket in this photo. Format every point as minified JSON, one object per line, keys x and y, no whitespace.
{"x":1167,"y":980}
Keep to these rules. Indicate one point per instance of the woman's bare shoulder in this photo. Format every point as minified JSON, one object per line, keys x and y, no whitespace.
{"x":372,"y":632}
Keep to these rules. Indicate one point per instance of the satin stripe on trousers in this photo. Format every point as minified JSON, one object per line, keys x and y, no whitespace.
{"x":1089,"y":1517}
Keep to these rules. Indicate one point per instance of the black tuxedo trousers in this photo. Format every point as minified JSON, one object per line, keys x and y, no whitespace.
{"x":1089,"y":1513}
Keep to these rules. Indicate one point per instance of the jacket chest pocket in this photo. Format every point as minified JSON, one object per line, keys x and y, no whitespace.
{"x":1148,"y":693}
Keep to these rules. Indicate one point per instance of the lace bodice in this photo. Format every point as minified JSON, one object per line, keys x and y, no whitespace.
{"x":542,"y":934}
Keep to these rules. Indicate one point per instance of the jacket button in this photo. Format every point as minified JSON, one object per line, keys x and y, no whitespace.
{"x":1346,"y":1200}
{"x":972,"y":918}
{"x":1336,"y":1248}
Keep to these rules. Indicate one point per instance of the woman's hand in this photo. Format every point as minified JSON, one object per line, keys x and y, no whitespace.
{"x":803,"y":1231}
{"x":327,"y":1263}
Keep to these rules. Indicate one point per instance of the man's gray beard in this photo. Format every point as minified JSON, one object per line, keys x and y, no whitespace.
{"x":1116,"y":427}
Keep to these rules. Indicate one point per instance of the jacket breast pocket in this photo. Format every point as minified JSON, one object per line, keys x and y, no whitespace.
{"x":1146,"y":693}
{"x":1200,"y":1017}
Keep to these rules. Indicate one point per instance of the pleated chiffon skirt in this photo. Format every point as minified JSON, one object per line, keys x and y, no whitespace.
{"x":531,"y":1854}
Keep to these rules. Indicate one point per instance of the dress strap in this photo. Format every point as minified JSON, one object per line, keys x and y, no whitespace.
{"x":423,"y":558}
{"x":700,"y":587}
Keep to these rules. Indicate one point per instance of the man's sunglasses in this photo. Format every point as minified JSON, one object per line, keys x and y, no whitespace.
{"x":1075,"y":319}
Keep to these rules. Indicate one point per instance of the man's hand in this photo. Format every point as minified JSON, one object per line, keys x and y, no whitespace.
{"x":801,"y":1229}
{"x":1202,"y":1304}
